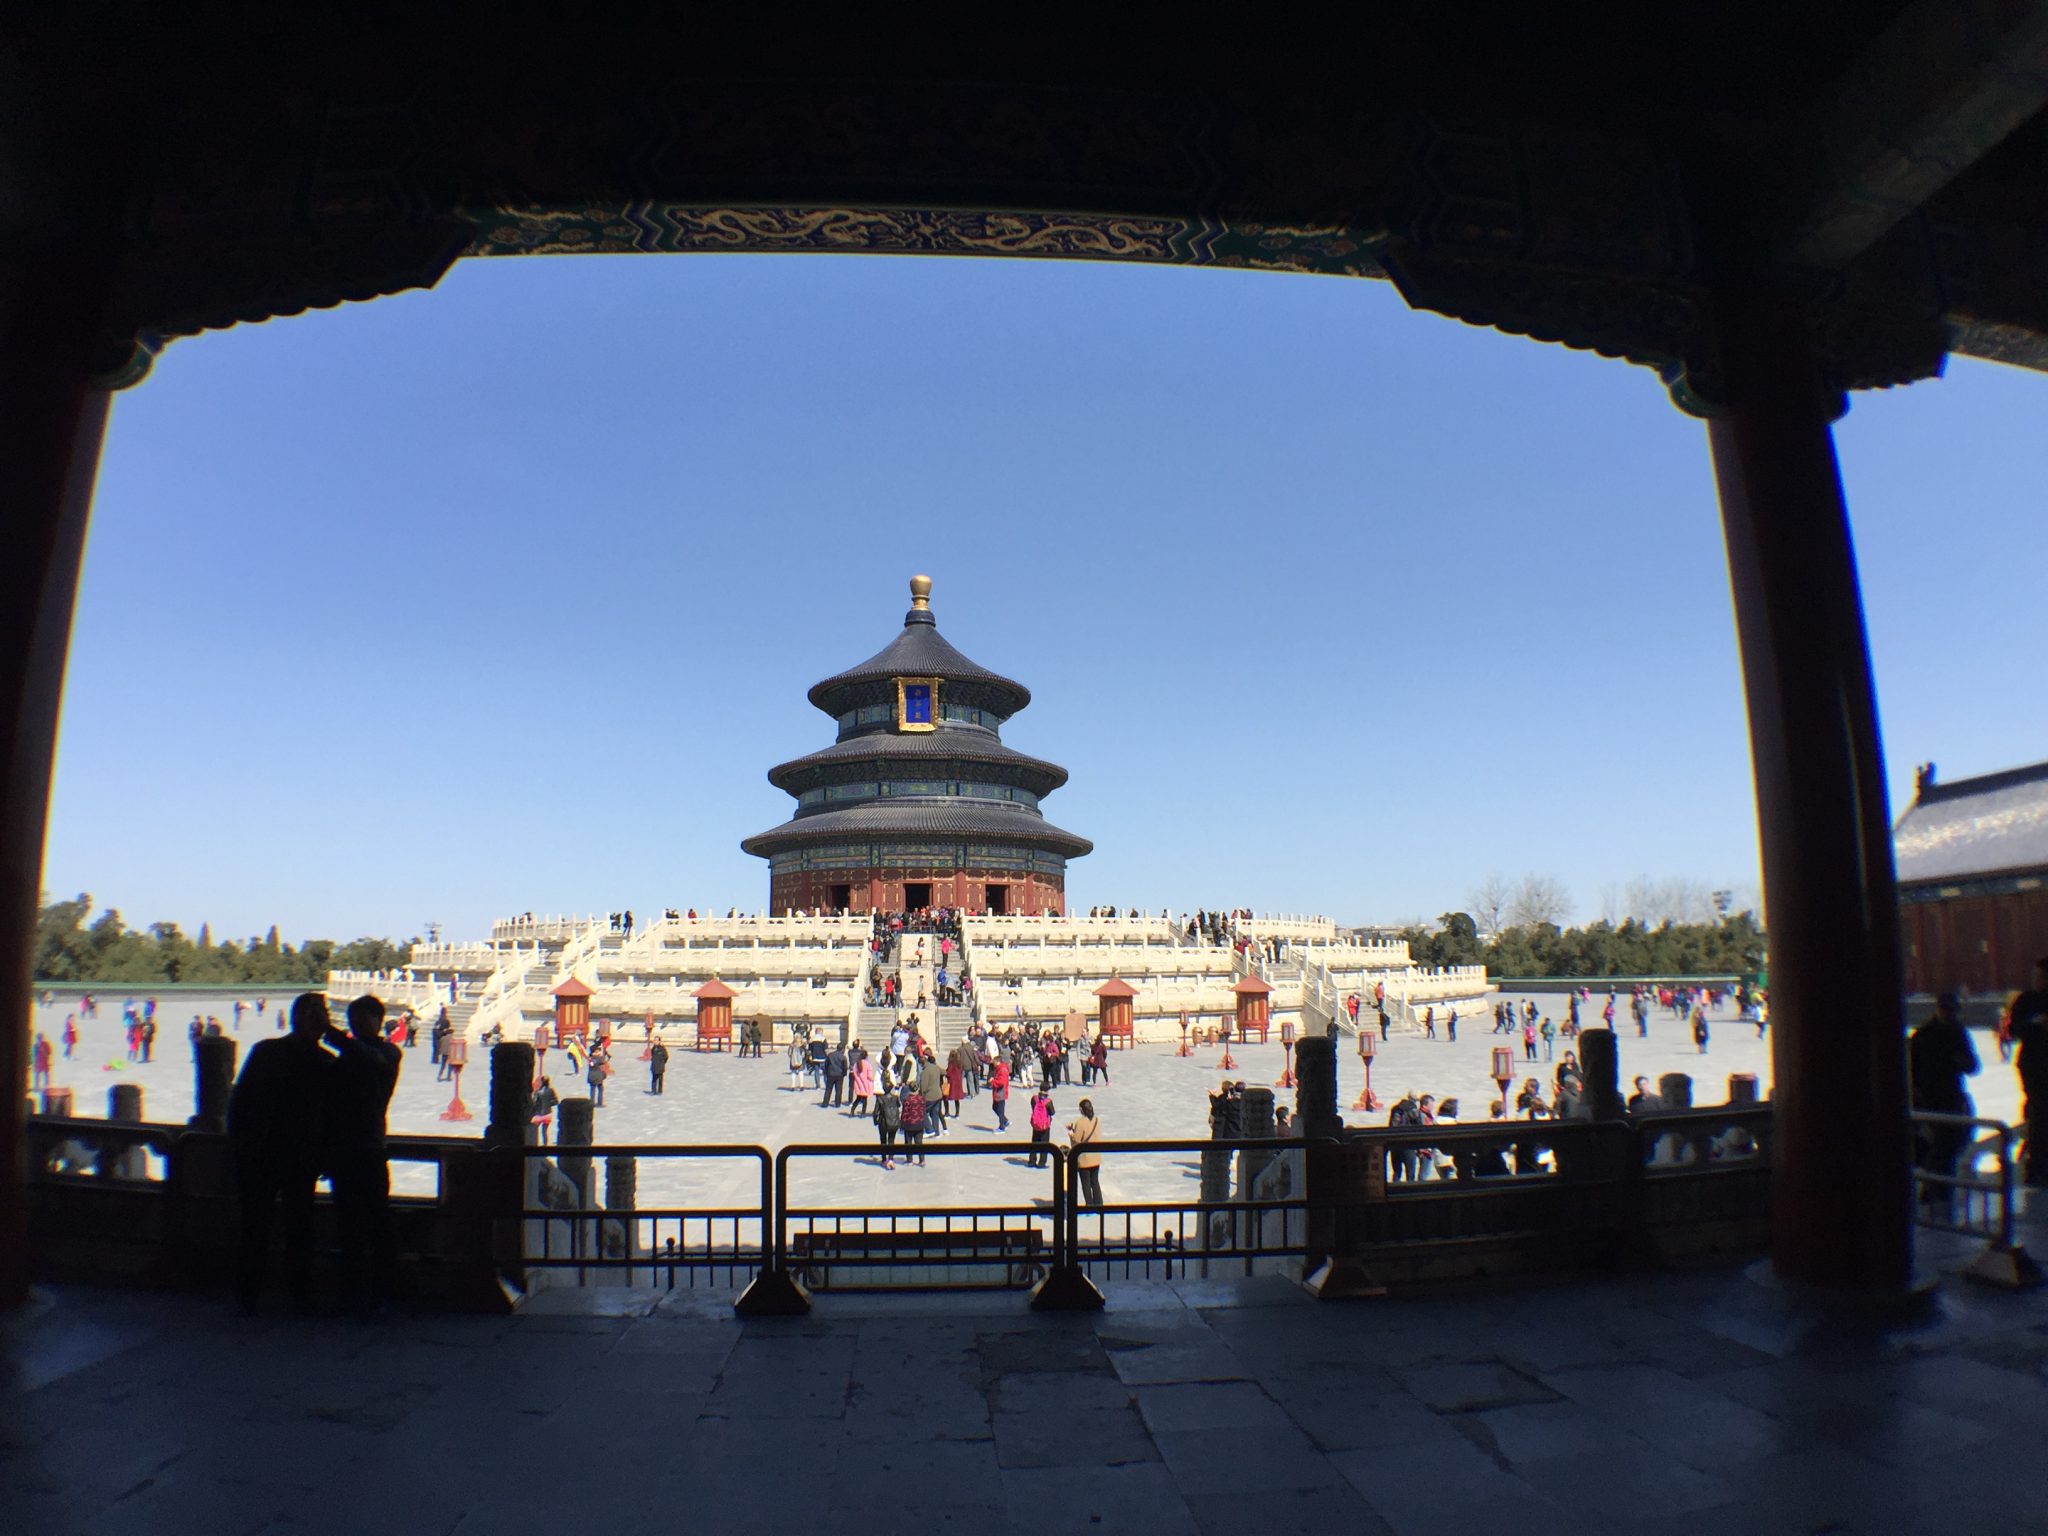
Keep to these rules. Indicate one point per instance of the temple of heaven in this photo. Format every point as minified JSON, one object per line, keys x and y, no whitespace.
{"x":918,"y":803}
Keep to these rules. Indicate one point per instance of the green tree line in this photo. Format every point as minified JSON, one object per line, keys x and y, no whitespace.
{"x":1732,"y":946}
{"x":72,"y":945}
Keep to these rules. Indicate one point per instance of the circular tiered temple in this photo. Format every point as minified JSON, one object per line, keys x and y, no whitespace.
{"x":918,"y":803}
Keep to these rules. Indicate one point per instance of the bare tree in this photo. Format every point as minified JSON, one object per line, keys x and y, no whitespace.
{"x":1488,"y":902}
{"x":1538,"y":899}
{"x":1673,"y":900}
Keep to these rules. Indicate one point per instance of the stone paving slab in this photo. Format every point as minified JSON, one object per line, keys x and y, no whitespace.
{"x":121,"y":1412}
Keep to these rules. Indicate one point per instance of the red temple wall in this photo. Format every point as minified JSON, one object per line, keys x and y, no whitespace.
{"x":882,"y":889}
{"x":1983,"y":943}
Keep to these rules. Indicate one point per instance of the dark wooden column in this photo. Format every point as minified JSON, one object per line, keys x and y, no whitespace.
{"x":53,"y":420}
{"x":1842,"y":1194}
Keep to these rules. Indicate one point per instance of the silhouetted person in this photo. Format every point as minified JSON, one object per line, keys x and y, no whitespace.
{"x":364,"y":1076}
{"x":1941,"y":1057}
{"x":2030,"y":1033}
{"x":657,"y":1065}
{"x":276,"y":1123}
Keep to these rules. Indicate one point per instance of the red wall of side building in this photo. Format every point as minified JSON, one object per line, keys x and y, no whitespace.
{"x":874,"y":890}
{"x":1981,"y":943}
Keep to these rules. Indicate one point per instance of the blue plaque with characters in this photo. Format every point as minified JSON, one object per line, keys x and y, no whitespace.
{"x":917,"y":703}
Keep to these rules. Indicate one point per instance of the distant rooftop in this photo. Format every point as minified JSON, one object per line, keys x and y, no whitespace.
{"x":1995,"y":823}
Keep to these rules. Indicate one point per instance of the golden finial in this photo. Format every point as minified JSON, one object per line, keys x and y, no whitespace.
{"x":921,"y":592}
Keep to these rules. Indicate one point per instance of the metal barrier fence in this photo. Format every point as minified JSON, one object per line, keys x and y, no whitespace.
{"x":569,"y":1232}
{"x":905,"y":1234}
{"x":1953,"y":1192}
{"x":906,"y":1244}
{"x":1252,"y":1233}
{"x":1489,"y":1198}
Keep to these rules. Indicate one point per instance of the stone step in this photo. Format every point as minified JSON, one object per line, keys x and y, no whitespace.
{"x":950,"y":1027}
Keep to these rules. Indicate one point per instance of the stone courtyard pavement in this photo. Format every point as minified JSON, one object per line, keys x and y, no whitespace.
{"x":1153,"y":1094}
{"x":1695,"y":1403}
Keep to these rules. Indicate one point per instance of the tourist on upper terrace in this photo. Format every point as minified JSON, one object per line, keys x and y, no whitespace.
{"x":276,"y":1134}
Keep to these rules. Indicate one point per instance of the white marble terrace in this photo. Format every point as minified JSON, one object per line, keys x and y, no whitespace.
{"x":815,"y":969}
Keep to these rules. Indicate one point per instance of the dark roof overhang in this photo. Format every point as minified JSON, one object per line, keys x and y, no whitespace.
{"x":920,"y":651}
{"x":980,"y":752}
{"x":922,"y":819}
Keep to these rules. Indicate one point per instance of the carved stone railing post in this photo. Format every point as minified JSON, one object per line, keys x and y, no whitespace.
{"x":577,"y":1123}
{"x":510,"y":1124}
{"x":213,"y":1079}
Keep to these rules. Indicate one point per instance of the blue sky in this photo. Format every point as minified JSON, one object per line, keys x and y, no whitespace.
{"x":504,"y":596}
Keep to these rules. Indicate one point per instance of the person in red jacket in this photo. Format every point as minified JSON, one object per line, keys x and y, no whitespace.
{"x":999,"y":1091}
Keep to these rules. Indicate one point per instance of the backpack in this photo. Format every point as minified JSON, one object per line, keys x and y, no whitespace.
{"x":1041,"y":1114}
{"x":1407,"y":1112}
{"x":913,"y":1111}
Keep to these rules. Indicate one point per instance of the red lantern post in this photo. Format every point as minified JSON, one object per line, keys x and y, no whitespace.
{"x":1367,"y":1046}
{"x":1287,"y":1055}
{"x":1503,"y":1073}
{"x":458,"y":1057}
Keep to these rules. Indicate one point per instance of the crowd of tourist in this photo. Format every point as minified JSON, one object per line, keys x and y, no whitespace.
{"x":913,"y":1096}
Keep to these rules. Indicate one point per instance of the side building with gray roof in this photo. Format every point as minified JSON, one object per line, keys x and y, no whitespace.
{"x":1973,"y":880}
